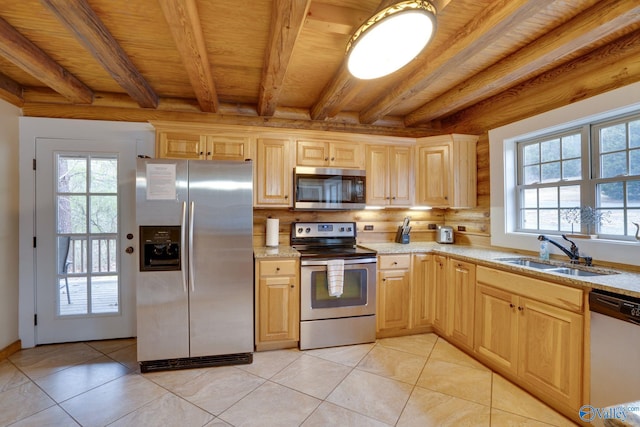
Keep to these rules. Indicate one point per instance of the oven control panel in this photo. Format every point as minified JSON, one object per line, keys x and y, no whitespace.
{"x":324,"y":229}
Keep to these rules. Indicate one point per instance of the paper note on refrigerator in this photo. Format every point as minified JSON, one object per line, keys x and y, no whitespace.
{"x":161,"y":181}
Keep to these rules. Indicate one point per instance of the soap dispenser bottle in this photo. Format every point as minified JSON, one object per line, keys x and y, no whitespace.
{"x":544,"y":250}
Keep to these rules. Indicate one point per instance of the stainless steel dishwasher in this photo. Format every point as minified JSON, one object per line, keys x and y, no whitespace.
{"x":615,"y":358}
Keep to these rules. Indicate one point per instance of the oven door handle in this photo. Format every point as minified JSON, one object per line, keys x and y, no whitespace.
{"x":347,"y":261}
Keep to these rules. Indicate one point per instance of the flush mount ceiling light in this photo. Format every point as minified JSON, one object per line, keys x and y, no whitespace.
{"x":390,"y":39}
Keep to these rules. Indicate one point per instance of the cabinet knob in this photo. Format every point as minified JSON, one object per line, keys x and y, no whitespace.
{"x":201,"y":153}
{"x":333,"y":158}
{"x":511,"y":305}
{"x":293,"y":286}
{"x":393,"y":198}
{"x":286,"y":197}
{"x":520,"y":308}
{"x":277,"y":268}
{"x":208,"y":153}
{"x":384,"y":280}
{"x":326,"y":158}
{"x":395,"y":262}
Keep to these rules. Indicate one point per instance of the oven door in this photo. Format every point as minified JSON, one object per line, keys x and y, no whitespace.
{"x":358,"y":295}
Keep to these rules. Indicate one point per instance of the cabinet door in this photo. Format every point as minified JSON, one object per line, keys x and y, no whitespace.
{"x":393,"y":299}
{"x":423,"y":290}
{"x":461,"y":288}
{"x":312,"y":153}
{"x":440,"y":320}
{"x":278,"y":319}
{"x":272,"y":181}
{"x":434,"y":177}
{"x":180,"y":145}
{"x":550,"y":352}
{"x":496,"y":335}
{"x":377,"y":175}
{"x":228,"y":148}
{"x":345,"y":155}
{"x":401,"y":176}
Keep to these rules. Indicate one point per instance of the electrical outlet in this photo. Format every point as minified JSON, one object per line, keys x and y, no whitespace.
{"x":368,"y":228}
{"x":432,"y":226}
{"x":462,"y":228}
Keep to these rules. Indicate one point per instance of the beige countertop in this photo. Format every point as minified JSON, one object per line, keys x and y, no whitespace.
{"x":625,"y":283}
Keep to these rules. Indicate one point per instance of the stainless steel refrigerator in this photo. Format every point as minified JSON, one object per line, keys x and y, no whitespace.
{"x":194,"y":285}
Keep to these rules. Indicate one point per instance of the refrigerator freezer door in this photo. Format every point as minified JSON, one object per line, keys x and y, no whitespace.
{"x":162,"y":300}
{"x":221,"y":289}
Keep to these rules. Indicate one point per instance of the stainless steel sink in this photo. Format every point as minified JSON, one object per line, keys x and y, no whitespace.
{"x":548,"y":267}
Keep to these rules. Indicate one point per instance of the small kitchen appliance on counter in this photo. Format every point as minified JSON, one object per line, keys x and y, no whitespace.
{"x":444,"y":234}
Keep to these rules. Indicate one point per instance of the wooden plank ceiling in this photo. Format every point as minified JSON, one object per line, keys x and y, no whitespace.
{"x":281,"y":62}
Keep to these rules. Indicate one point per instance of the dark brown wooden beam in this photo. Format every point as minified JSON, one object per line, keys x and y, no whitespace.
{"x":287,"y":18}
{"x":486,"y":28}
{"x":89,"y":30}
{"x":184,"y":23}
{"x":564,"y":43}
{"x":30,"y":58}
{"x":10,"y":91}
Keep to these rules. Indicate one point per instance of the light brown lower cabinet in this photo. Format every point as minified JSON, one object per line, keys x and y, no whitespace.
{"x":461,"y":285}
{"x":393,"y":293}
{"x":277,"y":304}
{"x":531,"y":331}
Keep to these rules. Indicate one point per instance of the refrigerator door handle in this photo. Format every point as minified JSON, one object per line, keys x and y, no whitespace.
{"x":191,"y":270}
{"x":183,"y":231}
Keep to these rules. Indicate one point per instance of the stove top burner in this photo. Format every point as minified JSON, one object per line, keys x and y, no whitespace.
{"x":327,"y":240}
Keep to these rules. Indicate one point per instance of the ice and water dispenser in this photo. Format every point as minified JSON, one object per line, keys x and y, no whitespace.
{"x":160,"y":248}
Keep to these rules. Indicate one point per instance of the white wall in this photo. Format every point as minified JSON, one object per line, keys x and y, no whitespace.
{"x":31,"y":129}
{"x":9,"y":192}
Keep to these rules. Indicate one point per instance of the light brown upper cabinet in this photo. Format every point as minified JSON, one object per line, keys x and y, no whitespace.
{"x":389,"y":175}
{"x":196,"y":146}
{"x":329,"y":154}
{"x":274,"y":170}
{"x":446,"y":171}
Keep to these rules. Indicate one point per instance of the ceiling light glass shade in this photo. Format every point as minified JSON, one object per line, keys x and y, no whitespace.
{"x":390,"y":39}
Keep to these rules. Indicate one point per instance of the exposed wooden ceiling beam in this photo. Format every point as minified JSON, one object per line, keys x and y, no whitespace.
{"x":333,"y":19}
{"x":287,"y":18}
{"x":606,"y":68}
{"x":344,"y":87}
{"x":29,"y":57}
{"x":89,"y":30}
{"x":563,"y":43}
{"x":184,"y":22}
{"x":10,"y":91}
{"x":430,"y":66}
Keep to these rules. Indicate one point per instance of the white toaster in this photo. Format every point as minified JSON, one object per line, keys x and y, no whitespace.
{"x":444,"y":234}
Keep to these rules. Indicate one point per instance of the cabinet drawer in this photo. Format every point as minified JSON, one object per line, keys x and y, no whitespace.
{"x":278,"y":268}
{"x":394,"y":262}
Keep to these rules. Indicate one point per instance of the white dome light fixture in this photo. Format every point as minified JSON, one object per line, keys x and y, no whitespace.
{"x":390,"y":39}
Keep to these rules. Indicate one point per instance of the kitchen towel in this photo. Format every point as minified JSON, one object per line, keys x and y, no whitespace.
{"x":273,"y":228}
{"x":335,"y":276}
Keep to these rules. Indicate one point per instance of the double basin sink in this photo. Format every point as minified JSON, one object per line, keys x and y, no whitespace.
{"x":555,"y":268}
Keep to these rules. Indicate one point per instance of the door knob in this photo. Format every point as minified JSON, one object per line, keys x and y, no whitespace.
{"x":129,"y":250}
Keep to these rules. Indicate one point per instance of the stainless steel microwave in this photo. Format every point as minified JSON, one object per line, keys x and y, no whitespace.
{"x":328,"y":188}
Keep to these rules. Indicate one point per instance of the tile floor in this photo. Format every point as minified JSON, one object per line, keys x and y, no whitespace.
{"x":419,"y":380}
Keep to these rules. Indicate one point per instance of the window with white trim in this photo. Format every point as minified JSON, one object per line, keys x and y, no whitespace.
{"x":567,"y":177}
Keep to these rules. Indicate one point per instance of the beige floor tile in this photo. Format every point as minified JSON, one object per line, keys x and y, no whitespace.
{"x":372,"y":395}
{"x":457,"y":380}
{"x":420,"y":345}
{"x":127,"y":355}
{"x":44,"y":360}
{"x":329,"y":414}
{"x":171,"y":380}
{"x":70,"y":382}
{"x":511,"y":398}
{"x":312,"y":375}
{"x":10,"y":376}
{"x":448,"y":353}
{"x":51,"y":417}
{"x":109,"y":346}
{"x":217,"y":423}
{"x":111,"y":401}
{"x":22,"y":402}
{"x":427,"y":408}
{"x":349,"y":355}
{"x":394,"y":364}
{"x":219,"y":388}
{"x":168,"y":410}
{"x":271,"y":405}
{"x":268,"y":363}
{"x":505,"y":419}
